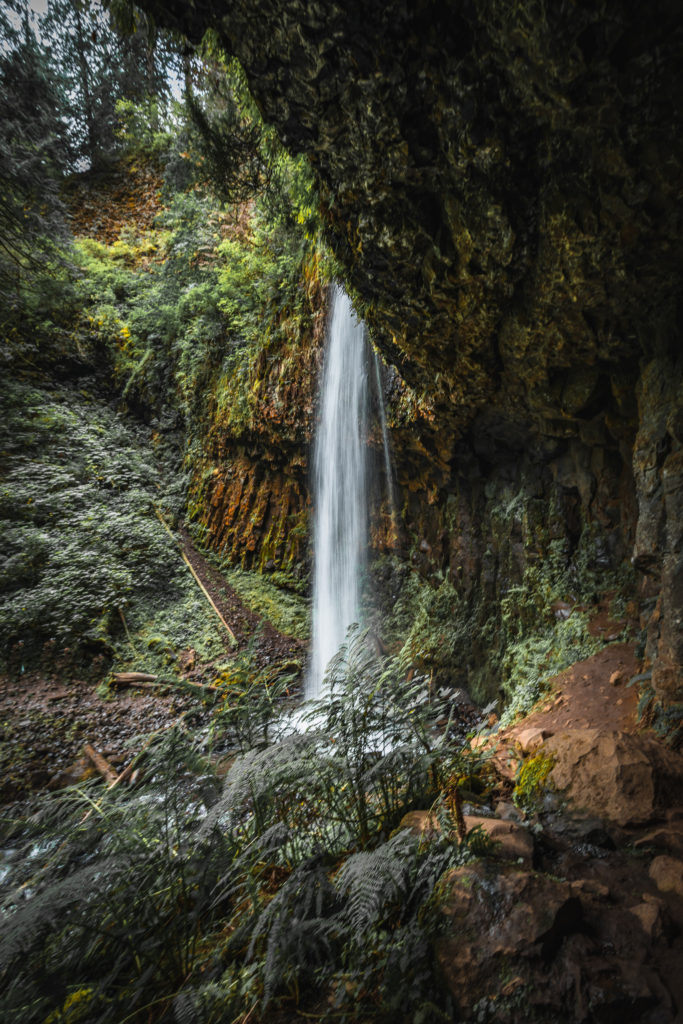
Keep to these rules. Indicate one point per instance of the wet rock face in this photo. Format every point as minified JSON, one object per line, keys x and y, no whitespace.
{"x":523,"y":946}
{"x":249,"y":489}
{"x":498,"y":181}
{"x":501,"y":183}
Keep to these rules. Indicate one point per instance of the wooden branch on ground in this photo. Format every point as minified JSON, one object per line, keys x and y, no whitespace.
{"x":124,"y":679}
{"x":125,"y":626}
{"x":207,"y":595}
{"x":100,"y":763}
{"x":127,"y":772}
{"x":189,"y":565}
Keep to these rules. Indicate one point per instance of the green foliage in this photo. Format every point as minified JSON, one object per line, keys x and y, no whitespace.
{"x":287,"y":611}
{"x":430,"y":624}
{"x":230,"y":143}
{"x":237,"y":154}
{"x":529,"y":637}
{"x":145,"y":128}
{"x":176,"y":898}
{"x":252,"y":698}
{"x":185,"y":312}
{"x":439,"y":633}
{"x":33,"y":231}
{"x":528,"y":664}
{"x":100,"y":66}
{"x":80,"y":539}
{"x":370,"y":753}
{"x":114,"y":911}
{"x":393,"y":594}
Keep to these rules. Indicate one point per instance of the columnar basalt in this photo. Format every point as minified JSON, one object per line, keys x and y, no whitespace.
{"x":502,"y":185}
{"x":249,"y":488}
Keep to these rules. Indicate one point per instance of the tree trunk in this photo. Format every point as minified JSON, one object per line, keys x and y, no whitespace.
{"x":85,"y":87}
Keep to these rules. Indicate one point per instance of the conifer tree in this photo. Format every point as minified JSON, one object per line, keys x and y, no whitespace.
{"x":33,"y":158}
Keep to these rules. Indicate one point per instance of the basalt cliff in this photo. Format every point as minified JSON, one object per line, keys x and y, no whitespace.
{"x":501,"y":183}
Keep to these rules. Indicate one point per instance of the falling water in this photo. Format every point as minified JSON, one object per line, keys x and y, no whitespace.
{"x":339,"y":487}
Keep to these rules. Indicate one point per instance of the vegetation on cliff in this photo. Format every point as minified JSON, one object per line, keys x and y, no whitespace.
{"x":164,"y":263}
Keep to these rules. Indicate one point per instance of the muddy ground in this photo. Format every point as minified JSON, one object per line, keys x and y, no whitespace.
{"x":47,"y":717}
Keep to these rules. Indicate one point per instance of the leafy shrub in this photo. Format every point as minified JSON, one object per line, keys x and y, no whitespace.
{"x":80,"y":539}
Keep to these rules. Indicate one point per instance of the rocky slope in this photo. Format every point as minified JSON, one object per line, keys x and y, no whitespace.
{"x":575,"y":911}
{"x":502,"y":185}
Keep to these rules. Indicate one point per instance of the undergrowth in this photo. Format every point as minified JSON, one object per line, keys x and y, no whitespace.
{"x":80,"y":542}
{"x":511,"y":646}
{"x":192,"y":899}
{"x":287,"y":611}
{"x":530,"y":662}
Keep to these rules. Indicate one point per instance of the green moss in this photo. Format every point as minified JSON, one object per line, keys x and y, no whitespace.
{"x":288,"y":612}
{"x":80,"y":541}
{"x":159,"y":633}
{"x":532,"y":781}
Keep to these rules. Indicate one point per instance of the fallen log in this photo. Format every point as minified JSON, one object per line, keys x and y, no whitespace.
{"x":100,"y":763}
{"x":124,"y":679}
{"x":206,"y":594}
{"x":199,"y":583}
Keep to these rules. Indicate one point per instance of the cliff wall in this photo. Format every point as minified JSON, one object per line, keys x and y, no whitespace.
{"x":501,"y":183}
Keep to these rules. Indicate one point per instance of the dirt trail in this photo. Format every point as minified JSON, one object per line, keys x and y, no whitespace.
{"x":271,"y":645}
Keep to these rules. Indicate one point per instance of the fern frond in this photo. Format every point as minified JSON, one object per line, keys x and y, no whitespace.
{"x":26,"y":926}
{"x":371,"y":880}
{"x":298,"y":926}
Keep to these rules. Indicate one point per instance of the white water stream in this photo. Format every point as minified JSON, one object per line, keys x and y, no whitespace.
{"x":339,"y":487}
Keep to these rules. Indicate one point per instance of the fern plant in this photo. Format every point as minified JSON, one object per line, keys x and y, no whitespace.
{"x":211,"y":905}
{"x":120,"y":906}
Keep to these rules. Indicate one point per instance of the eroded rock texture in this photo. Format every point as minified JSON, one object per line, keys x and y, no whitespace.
{"x":249,"y":486}
{"x":502,"y":183}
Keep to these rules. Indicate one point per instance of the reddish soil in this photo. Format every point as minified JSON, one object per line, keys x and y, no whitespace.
{"x":591,"y":694}
{"x":45,"y":724}
{"x":594,"y":693}
{"x":101,"y":204}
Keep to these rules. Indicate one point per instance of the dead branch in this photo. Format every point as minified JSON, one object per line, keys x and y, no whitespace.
{"x":131,"y":768}
{"x":201,"y":586}
{"x":124,"y":679}
{"x":100,"y":763}
{"x":203,"y":686}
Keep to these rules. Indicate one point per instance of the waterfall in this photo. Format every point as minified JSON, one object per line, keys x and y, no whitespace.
{"x":339,"y":487}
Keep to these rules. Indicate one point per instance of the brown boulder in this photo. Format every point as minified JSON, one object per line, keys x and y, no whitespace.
{"x":420,"y":822}
{"x":650,"y":916}
{"x":512,"y":841}
{"x":666,"y":837}
{"x":500,"y":916}
{"x":625,"y":778}
{"x":526,"y":934}
{"x":529,"y":740}
{"x":667,"y":874}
